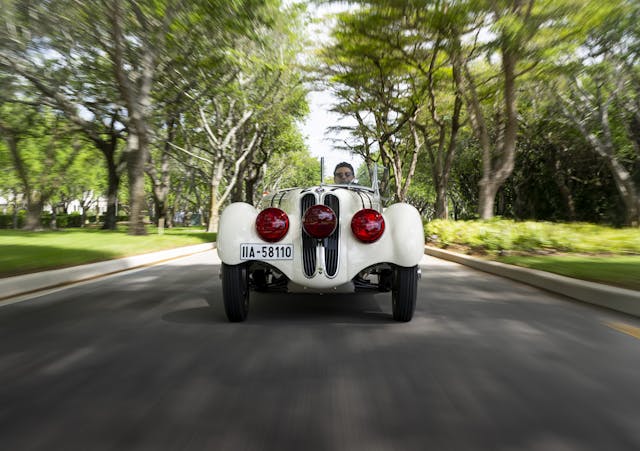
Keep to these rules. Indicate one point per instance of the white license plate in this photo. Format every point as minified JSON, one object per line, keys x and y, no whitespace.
{"x":250,"y":251}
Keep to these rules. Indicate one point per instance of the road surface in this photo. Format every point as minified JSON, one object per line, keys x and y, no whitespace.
{"x":140,"y":361}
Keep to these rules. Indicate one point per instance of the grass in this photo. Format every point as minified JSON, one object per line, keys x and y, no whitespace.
{"x":25,"y":252}
{"x":622,"y":271}
{"x":584,"y":251}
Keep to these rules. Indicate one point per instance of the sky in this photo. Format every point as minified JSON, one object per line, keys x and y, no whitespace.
{"x":315,"y":128}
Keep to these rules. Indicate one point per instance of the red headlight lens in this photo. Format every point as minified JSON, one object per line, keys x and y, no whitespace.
{"x":367,"y":225}
{"x":319,"y":221}
{"x":272,"y":224}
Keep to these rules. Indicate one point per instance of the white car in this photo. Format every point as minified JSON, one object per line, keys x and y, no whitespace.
{"x":322,"y":239}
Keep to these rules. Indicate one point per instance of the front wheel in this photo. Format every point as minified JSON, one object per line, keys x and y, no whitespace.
{"x":404,"y":292}
{"x":235,"y":292}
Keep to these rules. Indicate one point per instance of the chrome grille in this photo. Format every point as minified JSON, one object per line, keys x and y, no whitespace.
{"x":331,"y":243}
{"x":308,"y":243}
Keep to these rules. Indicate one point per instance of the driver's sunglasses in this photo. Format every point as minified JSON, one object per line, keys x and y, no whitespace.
{"x":343,"y":174}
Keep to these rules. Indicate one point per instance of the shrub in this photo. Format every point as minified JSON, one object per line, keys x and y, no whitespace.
{"x":500,"y":234}
{"x":6,"y":220}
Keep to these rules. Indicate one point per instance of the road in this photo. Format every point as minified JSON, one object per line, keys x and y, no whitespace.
{"x":140,"y":361}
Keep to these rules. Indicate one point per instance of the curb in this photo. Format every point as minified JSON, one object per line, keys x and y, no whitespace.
{"x":619,"y":299}
{"x":38,"y":281}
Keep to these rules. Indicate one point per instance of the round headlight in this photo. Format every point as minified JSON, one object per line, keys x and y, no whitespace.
{"x":319,"y":221}
{"x":367,"y":225}
{"x":272,"y":224}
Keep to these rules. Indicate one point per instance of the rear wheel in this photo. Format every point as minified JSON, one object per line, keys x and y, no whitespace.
{"x":404,"y":292}
{"x":235,"y":291}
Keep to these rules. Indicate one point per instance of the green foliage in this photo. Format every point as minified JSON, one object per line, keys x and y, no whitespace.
{"x":6,"y":220}
{"x":292,"y":169}
{"x":507,"y":235}
{"x":245,"y":53}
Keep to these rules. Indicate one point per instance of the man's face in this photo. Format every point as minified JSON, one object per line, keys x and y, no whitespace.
{"x":343,"y":175}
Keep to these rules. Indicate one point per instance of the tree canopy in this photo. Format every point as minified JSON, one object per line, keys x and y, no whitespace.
{"x":527,"y":109}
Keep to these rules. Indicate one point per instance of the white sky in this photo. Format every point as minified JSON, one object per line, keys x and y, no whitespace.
{"x":315,"y":128}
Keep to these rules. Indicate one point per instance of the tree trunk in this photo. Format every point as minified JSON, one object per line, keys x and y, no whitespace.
{"x":136,"y":93}
{"x":249,"y":191}
{"x":161,"y":180}
{"x":214,"y":200}
{"x":110,"y":217}
{"x":162,"y":212}
{"x":214,"y":213}
{"x":486,"y":203}
{"x":494,"y":177}
{"x":627,"y":190}
{"x":565,"y":192}
{"x":441,"y":207}
{"x":53,"y":225}
{"x":33,"y":220}
{"x":135,"y":169}
{"x":603,"y":144}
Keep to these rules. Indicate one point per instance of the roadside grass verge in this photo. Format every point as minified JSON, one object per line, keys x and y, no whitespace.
{"x":24,"y":252}
{"x":622,"y":272}
{"x":584,"y":251}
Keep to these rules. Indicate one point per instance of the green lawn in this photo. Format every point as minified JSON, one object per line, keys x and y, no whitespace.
{"x":24,"y":252}
{"x":584,"y":251}
{"x":622,"y":271}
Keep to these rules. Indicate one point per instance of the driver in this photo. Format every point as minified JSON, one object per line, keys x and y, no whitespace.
{"x":343,"y":173}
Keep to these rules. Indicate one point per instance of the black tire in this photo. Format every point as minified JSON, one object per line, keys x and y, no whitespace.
{"x":235,"y":292}
{"x":404,"y":292}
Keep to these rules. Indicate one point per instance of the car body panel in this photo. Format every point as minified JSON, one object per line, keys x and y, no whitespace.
{"x":401,"y":244}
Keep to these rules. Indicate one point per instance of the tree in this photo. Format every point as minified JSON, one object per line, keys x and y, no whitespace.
{"x":520,"y":35}
{"x":236,"y":124}
{"x":41,"y":149}
{"x":58,"y":45}
{"x":376,"y":88}
{"x":602,"y":100}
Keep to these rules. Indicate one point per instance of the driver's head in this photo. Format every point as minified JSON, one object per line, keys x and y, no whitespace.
{"x":343,"y":173}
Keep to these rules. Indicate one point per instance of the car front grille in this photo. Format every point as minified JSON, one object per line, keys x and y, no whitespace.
{"x":331,"y":243}
{"x":308,"y":243}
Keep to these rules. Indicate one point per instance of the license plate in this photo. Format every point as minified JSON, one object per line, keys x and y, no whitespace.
{"x":250,"y":251}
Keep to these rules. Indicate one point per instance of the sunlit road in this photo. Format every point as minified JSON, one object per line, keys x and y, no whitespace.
{"x":139,"y":361}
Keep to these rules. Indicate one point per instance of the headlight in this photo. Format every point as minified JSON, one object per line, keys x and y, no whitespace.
{"x":272,"y":224}
{"x":319,"y":221}
{"x":367,"y":225}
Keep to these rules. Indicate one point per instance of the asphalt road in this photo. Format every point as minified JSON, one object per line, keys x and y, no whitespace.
{"x":140,"y":361}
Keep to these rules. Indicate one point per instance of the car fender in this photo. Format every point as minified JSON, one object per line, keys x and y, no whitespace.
{"x":236,"y":226}
{"x":407,"y":233}
{"x":402,"y":242}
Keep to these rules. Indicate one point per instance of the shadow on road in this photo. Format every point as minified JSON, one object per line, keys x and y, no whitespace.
{"x":359,"y":308}
{"x":344,"y":308}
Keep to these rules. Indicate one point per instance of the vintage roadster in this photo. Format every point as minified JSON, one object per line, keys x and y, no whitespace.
{"x":322,"y":239}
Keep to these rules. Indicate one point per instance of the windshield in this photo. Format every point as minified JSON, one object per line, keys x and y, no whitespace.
{"x":362,"y":176}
